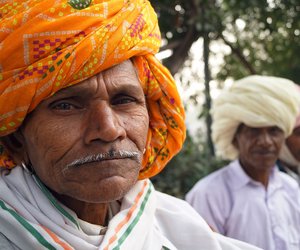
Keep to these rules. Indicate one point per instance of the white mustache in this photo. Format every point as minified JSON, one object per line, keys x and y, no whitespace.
{"x":112,"y":154}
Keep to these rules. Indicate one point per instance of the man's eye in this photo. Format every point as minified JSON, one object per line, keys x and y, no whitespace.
{"x":275,"y":130}
{"x":63,"y":106}
{"x":296,"y":131}
{"x":253,"y":131}
{"x":123,"y":100}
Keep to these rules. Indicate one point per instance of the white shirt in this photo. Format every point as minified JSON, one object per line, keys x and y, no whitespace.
{"x":241,"y":208}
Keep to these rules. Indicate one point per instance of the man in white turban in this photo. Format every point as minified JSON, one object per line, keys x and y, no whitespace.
{"x":250,"y":199}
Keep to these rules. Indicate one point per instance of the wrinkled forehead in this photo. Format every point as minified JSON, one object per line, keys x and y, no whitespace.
{"x":122,"y":76}
{"x":125,"y":65}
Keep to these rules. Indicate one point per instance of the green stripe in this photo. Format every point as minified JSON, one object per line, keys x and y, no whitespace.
{"x":54,"y":202}
{"x":59,"y":62}
{"x":67,"y":55}
{"x":165,"y":248}
{"x":135,"y":221}
{"x":30,"y":228}
{"x":52,"y":68}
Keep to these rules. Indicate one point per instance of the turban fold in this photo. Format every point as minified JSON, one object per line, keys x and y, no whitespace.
{"x":47,"y":45}
{"x":256,"y":101}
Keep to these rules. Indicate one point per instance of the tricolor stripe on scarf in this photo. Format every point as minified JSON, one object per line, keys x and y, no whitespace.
{"x":27,"y":226}
{"x":54,"y":202}
{"x":124,"y":228}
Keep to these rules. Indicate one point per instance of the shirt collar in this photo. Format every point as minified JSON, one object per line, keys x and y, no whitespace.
{"x":239,"y":178}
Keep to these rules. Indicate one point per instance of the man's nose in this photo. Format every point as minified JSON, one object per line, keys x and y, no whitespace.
{"x":265,"y":138}
{"x":104,"y":124}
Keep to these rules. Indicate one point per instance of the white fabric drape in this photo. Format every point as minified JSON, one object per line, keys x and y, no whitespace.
{"x":32,"y":218}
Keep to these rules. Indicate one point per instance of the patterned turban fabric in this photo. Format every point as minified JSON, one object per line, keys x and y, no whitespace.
{"x":256,"y":101}
{"x":47,"y":45}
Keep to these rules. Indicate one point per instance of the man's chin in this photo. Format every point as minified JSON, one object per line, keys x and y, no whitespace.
{"x":106,"y":190}
{"x":266,"y":162}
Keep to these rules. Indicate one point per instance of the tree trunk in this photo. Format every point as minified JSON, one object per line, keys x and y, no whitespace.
{"x":207,"y":105}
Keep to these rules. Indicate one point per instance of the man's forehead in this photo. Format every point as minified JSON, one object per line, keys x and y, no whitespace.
{"x":124,"y":76}
{"x":244,"y":126}
{"x":123,"y":65}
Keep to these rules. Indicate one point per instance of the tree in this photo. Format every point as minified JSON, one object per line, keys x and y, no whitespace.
{"x":261,"y":34}
{"x":263,"y":37}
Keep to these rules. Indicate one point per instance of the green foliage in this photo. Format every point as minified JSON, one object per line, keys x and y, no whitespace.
{"x":173,"y":21}
{"x":269,"y":42}
{"x":186,"y":168}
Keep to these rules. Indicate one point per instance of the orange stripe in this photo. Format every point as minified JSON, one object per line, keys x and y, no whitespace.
{"x":57,"y":240}
{"x":128,"y":216}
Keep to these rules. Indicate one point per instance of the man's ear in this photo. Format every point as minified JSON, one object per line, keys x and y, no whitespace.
{"x":234,"y":142}
{"x":14,"y":144}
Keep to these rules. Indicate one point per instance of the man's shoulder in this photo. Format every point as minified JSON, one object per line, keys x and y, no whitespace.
{"x":172,"y":203}
{"x":178,"y":211}
{"x":172,"y":206}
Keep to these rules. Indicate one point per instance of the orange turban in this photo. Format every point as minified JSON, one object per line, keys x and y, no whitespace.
{"x":47,"y":45}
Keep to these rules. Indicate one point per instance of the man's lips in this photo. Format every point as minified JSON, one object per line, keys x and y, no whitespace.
{"x":264,"y":152}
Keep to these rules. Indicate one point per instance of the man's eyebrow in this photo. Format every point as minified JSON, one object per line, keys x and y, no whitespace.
{"x":83,"y":90}
{"x":70,"y":90}
{"x":128,"y":87}
{"x":76,"y":90}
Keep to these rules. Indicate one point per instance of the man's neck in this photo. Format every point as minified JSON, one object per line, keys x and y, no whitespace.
{"x":258,"y":174}
{"x":95,"y":213}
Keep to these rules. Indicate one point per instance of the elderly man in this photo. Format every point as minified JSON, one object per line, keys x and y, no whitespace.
{"x":85,"y":111}
{"x":250,"y":199}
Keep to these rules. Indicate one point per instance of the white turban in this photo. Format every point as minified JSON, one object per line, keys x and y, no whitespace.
{"x":256,"y":101}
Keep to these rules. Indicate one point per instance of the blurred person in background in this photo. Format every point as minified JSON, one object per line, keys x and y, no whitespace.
{"x":250,"y":199}
{"x":289,"y":157}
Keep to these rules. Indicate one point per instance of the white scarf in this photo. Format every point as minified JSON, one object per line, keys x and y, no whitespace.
{"x":33,"y":219}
